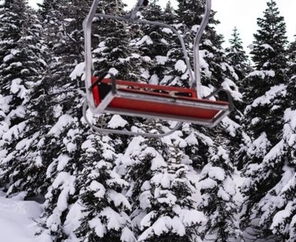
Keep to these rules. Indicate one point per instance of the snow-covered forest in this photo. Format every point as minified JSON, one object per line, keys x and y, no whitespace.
{"x":232,"y":183}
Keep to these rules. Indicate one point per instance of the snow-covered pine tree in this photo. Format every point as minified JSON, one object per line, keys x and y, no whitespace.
{"x":114,"y":53}
{"x":276,"y":209}
{"x":155,"y":42}
{"x":69,"y":192}
{"x":237,"y":56}
{"x":219,"y":202}
{"x":21,"y":69}
{"x":163,"y":190}
{"x":65,"y":128}
{"x":216,"y":71}
{"x":292,"y":59}
{"x":268,"y":53}
{"x":104,"y":208}
{"x":266,"y":122}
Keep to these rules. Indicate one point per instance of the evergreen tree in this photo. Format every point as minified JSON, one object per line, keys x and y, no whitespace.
{"x":280,"y":199}
{"x":269,"y":53}
{"x":266,"y":152}
{"x":72,"y":183}
{"x":155,"y":42}
{"x":216,"y":71}
{"x":292,"y":59}
{"x":218,"y":190}
{"x":21,"y":68}
{"x":163,"y":190}
{"x":65,"y":128}
{"x":105,"y":206}
{"x":237,"y":56}
{"x":123,"y":61}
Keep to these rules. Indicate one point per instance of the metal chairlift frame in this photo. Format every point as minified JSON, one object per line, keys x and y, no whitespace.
{"x":195,"y":76}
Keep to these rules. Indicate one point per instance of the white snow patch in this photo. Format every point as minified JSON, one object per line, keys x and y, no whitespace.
{"x":164,"y":225}
{"x":167,"y":31}
{"x":17,"y":220}
{"x":161,"y":59}
{"x":113,"y":71}
{"x":117,"y":122}
{"x":8,"y":57}
{"x":78,"y":71}
{"x":63,"y":121}
{"x":98,"y":226}
{"x":279,"y":90}
{"x":216,"y":173}
{"x":180,"y":66}
{"x":262,"y":74}
{"x":98,"y":188}
{"x":267,"y":46}
{"x":17,"y":87}
{"x":62,"y":161}
{"x":146,"y":39}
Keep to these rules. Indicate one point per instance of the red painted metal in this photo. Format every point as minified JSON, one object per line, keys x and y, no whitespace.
{"x":148,"y":106}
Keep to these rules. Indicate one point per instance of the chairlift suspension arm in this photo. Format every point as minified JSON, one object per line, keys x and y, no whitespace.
{"x":196,"y":61}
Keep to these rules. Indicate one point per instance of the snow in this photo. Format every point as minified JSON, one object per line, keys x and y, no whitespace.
{"x":279,"y":90}
{"x":282,"y":215}
{"x":98,"y":188}
{"x":180,"y":66}
{"x":73,"y":220}
{"x":7,"y":58}
{"x":18,"y":220}
{"x":230,"y":86}
{"x":146,"y":39}
{"x":62,"y":161}
{"x":98,"y":226}
{"x":262,"y":74}
{"x":113,"y":71}
{"x":161,"y":59}
{"x":117,"y":122}
{"x":167,"y":31}
{"x":114,"y":219}
{"x":164,"y":225}
{"x":78,"y":71}
{"x":145,"y":199}
{"x":259,"y":146}
{"x":15,"y":132}
{"x":154,"y":80}
{"x":63,"y":121}
{"x":215,"y":173}
{"x":65,"y":182}
{"x":267,"y":46}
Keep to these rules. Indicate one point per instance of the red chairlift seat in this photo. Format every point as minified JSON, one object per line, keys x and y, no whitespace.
{"x":105,"y":95}
{"x":154,"y":101}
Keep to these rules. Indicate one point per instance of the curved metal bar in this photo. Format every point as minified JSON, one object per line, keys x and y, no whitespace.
{"x":124,"y":132}
{"x":135,"y":9}
{"x":87,"y":23}
{"x":196,"y":62}
{"x":229,"y":98}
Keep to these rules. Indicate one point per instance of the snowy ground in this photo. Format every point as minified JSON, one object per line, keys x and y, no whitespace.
{"x":17,"y":219}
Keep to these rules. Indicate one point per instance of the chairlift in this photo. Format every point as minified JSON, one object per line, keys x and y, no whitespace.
{"x":106,"y":94}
